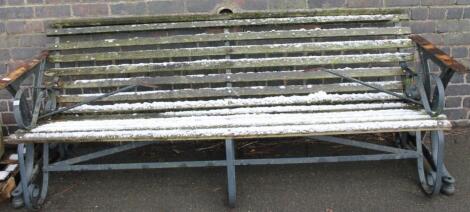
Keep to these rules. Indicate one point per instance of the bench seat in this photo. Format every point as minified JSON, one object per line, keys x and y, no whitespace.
{"x":238,"y":122}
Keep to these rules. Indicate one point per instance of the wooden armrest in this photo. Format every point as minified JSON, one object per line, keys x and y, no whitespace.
{"x":22,"y":69}
{"x":438,"y":54}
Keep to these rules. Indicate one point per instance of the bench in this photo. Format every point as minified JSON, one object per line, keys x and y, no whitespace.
{"x":137,"y":81}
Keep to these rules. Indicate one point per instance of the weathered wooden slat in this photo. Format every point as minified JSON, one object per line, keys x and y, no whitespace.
{"x":232,"y":63}
{"x":149,"y":113}
{"x":232,"y":92}
{"x":222,"y":23}
{"x":237,"y":50}
{"x":201,"y":17}
{"x":239,"y":133}
{"x":320,"y":98}
{"x":238,"y":77}
{"x":228,"y":121}
{"x":141,"y":41}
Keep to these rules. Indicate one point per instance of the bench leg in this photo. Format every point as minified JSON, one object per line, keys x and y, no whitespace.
{"x":231,"y":181}
{"x":32,"y":173}
{"x":431,"y":163}
{"x":407,"y":141}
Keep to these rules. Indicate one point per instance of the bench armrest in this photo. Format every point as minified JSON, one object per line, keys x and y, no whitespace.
{"x":21,"y":72}
{"x":438,"y":55}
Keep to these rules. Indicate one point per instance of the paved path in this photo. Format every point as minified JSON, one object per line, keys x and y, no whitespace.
{"x":360,"y":186}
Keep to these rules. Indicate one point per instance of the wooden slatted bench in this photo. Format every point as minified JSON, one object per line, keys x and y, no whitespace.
{"x":317,"y":74}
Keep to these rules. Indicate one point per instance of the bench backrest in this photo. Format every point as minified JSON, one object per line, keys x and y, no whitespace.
{"x":200,"y":57}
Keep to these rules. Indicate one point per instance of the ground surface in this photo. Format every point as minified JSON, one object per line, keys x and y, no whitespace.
{"x":358,"y":186}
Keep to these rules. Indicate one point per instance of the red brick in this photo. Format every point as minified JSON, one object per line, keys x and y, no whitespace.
{"x":365,"y":3}
{"x":202,"y":5}
{"x":24,"y":53}
{"x":37,"y":40}
{"x":18,"y":27}
{"x":165,"y":7}
{"x":35,"y":1}
{"x":128,"y":8}
{"x":4,"y":55}
{"x":3,"y":68}
{"x":87,"y":10}
{"x":255,"y":5}
{"x":53,"y":11}
{"x":315,"y":4}
{"x":15,"y":2}
{"x":3,"y":106}
{"x":8,"y":118}
{"x":17,"y":12}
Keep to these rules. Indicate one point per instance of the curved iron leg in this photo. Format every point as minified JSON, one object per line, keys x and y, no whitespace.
{"x":25,"y":173}
{"x":448,"y":181}
{"x":431,"y":177}
{"x":231,"y":182}
{"x":33,"y":196}
{"x":45,"y":174}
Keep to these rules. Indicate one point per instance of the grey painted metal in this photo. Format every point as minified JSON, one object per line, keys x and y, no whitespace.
{"x":431,"y":179}
{"x":25,"y":174}
{"x":131,"y":166}
{"x":89,"y":100}
{"x":21,"y":109}
{"x":45,"y":175}
{"x":103,"y":153}
{"x":326,"y":159}
{"x":363,"y":145}
{"x":231,"y":178}
{"x":371,"y":86}
{"x":237,"y":162}
{"x":425,"y":70}
{"x":438,"y":99}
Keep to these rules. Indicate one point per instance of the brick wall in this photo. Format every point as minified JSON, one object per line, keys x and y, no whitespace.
{"x":22,"y":25}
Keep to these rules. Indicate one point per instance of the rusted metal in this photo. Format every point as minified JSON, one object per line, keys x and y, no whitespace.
{"x":22,"y":69}
{"x":439,"y":54}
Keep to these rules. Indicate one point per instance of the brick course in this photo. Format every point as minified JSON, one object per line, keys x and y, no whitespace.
{"x":23,"y":22}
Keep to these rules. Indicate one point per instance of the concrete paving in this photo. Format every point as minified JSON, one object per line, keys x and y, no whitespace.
{"x":357,"y":186}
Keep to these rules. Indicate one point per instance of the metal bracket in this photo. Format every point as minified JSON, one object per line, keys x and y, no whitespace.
{"x":369,"y":86}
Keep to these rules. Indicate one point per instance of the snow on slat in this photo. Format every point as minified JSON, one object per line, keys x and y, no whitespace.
{"x":233,"y":77}
{"x":221,"y":23}
{"x":211,"y":64}
{"x":245,"y":120}
{"x":234,"y":91}
{"x":236,"y":50}
{"x":318,"y":97}
{"x":237,"y":132}
{"x":286,"y":109}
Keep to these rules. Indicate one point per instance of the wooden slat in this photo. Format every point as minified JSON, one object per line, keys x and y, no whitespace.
{"x":149,"y":113}
{"x":142,"y":41}
{"x":63,"y":23}
{"x":231,"y":121}
{"x":310,"y":99}
{"x":232,"y":63}
{"x":237,"y":50}
{"x":440,"y":55}
{"x":222,"y":23}
{"x":239,"y":133}
{"x":234,"y":92}
{"x":239,"y":77}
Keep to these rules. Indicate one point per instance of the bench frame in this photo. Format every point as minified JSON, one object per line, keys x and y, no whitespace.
{"x":433,"y":175}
